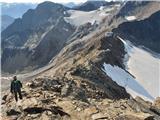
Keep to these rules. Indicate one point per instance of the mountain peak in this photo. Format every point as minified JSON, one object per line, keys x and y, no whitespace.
{"x":48,"y":5}
{"x":93,"y":5}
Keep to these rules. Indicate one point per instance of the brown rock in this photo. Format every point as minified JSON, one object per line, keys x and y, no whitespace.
{"x":157,"y":102}
{"x":91,"y":110}
{"x":4,"y":97}
{"x":44,"y":116}
{"x":31,"y":102}
{"x":99,"y":116}
{"x":135,"y":117}
{"x":12,"y":112}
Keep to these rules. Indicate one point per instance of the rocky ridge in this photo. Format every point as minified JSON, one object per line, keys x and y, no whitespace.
{"x":76,"y":88}
{"x":47,"y":99}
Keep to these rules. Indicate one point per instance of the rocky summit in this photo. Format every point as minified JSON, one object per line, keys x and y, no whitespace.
{"x":83,"y":64}
{"x":50,"y":98}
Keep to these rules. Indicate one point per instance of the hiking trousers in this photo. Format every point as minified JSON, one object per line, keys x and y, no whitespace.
{"x":16,"y":93}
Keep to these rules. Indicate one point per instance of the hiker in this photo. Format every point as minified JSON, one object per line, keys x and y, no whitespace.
{"x":16,"y":86}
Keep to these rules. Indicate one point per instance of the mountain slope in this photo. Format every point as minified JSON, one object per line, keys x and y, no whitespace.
{"x":139,"y":9}
{"x":76,"y":85}
{"x":144,"y":32}
{"x":133,"y":10}
{"x":45,"y":30}
{"x":24,"y":39}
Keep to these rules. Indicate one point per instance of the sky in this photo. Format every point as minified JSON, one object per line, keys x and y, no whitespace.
{"x":39,"y":1}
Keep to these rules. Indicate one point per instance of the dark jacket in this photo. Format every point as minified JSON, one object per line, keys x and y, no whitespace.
{"x":16,"y":86}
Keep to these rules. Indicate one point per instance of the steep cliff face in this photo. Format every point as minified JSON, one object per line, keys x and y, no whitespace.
{"x":38,"y":20}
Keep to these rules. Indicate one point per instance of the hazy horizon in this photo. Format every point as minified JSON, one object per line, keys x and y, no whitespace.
{"x":40,"y":1}
{"x":56,"y":1}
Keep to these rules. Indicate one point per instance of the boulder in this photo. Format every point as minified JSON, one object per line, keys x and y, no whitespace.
{"x":65,"y":90}
{"x":4,"y":97}
{"x":34,"y":110}
{"x":157,"y":102}
{"x":135,"y":117}
{"x":44,"y":116}
{"x":99,"y":116}
{"x":91,"y":110}
{"x":79,"y":94}
{"x":53,"y":85}
{"x":31,"y":102}
{"x":12,"y":112}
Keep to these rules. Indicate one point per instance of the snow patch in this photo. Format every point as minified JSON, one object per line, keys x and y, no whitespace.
{"x":144,"y":66}
{"x":101,"y":8}
{"x":108,"y":34}
{"x":65,"y":29}
{"x":64,"y":13}
{"x":108,"y":50}
{"x":93,"y":22}
{"x":126,"y":80}
{"x":103,"y":14}
{"x":130,"y":18}
{"x":78,"y":18}
{"x":6,"y":78}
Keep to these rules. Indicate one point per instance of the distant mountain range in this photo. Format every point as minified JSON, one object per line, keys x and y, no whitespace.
{"x":6,"y":21}
{"x":92,"y":5}
{"x":70,"y":4}
{"x":15,"y":10}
